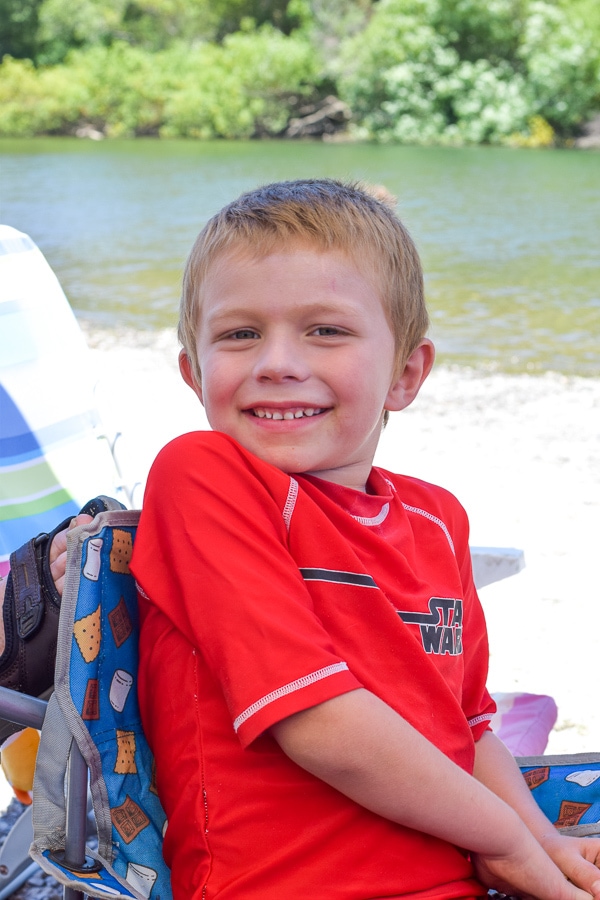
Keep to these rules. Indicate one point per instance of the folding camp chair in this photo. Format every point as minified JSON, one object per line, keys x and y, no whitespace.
{"x":94,"y":706}
{"x":92,"y":723}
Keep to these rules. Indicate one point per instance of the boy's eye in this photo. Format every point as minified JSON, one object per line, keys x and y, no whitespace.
{"x":243,"y":334}
{"x":327,"y":330}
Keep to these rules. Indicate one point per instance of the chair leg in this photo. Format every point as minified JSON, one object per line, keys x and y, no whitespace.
{"x":76,"y":817}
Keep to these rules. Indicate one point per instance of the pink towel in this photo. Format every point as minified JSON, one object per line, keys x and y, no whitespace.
{"x":524,"y":722}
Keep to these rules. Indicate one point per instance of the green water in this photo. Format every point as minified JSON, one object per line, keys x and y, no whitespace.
{"x":510,"y":239}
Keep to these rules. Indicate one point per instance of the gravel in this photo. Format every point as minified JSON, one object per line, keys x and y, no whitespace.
{"x":40,"y":886}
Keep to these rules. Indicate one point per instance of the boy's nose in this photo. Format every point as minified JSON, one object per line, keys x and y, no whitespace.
{"x":280,"y":360}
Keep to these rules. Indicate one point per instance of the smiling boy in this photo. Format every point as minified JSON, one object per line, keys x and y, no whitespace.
{"x":313,"y":654}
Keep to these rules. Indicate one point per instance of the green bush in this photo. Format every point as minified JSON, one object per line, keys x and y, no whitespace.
{"x":522,"y":72}
{"x":125,"y":88}
{"x":44,"y":101}
{"x":246,"y":86}
{"x":468,"y":71}
{"x":561,"y":56}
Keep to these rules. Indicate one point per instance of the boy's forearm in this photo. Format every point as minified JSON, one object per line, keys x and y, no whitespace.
{"x":360,"y":746}
{"x":497,"y":769}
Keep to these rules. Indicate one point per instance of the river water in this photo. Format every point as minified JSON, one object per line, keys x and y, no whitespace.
{"x":509,"y":238}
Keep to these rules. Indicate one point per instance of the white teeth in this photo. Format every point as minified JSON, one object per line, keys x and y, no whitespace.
{"x":288,"y":414}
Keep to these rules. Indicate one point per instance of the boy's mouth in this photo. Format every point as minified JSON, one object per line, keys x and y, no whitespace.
{"x":298,"y":412}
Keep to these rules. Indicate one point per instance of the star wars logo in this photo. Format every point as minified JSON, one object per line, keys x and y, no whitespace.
{"x":441,"y":627}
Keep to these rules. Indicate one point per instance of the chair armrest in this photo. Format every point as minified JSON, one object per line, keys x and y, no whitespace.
{"x":492,"y":564}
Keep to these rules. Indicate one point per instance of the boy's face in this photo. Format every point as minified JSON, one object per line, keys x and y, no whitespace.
{"x":298,"y":361}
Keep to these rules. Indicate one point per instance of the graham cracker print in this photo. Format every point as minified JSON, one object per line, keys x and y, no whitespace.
{"x":86,"y":632}
{"x":571,"y":813}
{"x":120,"y":552}
{"x":120,"y":622}
{"x":535,"y":777}
{"x":91,"y":701}
{"x":125,"y":763}
{"x":129,"y":819}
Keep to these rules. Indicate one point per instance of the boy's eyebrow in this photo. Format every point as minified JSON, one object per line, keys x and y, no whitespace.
{"x":314,"y":310}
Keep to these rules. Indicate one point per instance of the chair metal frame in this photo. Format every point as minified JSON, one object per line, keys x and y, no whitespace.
{"x":29,"y":712}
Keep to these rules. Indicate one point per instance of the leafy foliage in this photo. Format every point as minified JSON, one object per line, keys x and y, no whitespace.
{"x":246,"y":86}
{"x":18,"y":27}
{"x":524,"y":72}
{"x":468,"y":71}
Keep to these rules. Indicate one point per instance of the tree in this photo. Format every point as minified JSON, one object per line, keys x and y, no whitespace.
{"x":18,"y":28}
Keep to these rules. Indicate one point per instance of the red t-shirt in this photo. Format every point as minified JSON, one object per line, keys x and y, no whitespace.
{"x":261,"y":595}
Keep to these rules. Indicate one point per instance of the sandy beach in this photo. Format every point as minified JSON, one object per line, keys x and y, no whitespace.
{"x":521,"y":452}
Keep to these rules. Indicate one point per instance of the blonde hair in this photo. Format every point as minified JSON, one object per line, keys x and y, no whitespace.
{"x":326,"y":215}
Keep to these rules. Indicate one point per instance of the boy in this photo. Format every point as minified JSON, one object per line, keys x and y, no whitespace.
{"x":313,"y":653}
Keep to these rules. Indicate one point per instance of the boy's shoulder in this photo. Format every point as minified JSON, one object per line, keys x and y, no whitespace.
{"x":196,"y":441}
{"x":216,"y":456}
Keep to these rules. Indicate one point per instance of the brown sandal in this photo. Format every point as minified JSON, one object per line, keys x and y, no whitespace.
{"x":30,"y":613}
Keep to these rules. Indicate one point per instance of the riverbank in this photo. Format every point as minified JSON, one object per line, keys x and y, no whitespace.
{"x":521,"y":452}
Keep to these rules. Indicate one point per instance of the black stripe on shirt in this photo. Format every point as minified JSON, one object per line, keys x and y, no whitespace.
{"x":356,"y":578}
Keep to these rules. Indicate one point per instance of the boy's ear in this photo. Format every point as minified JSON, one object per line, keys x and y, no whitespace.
{"x":187,"y":373}
{"x":408,"y":383}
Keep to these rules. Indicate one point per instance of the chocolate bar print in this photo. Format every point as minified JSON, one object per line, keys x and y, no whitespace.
{"x":129,"y":819}
{"x":120,"y":622}
{"x":571,"y":813}
{"x":535,"y":777}
{"x":91,"y":701}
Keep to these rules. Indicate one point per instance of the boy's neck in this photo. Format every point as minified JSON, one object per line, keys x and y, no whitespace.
{"x":358,"y":484}
{"x":355,"y":478}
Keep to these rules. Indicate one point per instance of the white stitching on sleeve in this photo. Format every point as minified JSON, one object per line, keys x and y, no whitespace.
{"x":477,"y":720}
{"x":290,"y":688}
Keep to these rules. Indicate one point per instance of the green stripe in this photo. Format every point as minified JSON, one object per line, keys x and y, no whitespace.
{"x":27,"y":480}
{"x":34,"y":507}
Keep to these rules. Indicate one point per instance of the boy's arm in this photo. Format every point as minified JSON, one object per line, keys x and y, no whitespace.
{"x":578,"y":858}
{"x":363,"y":748}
